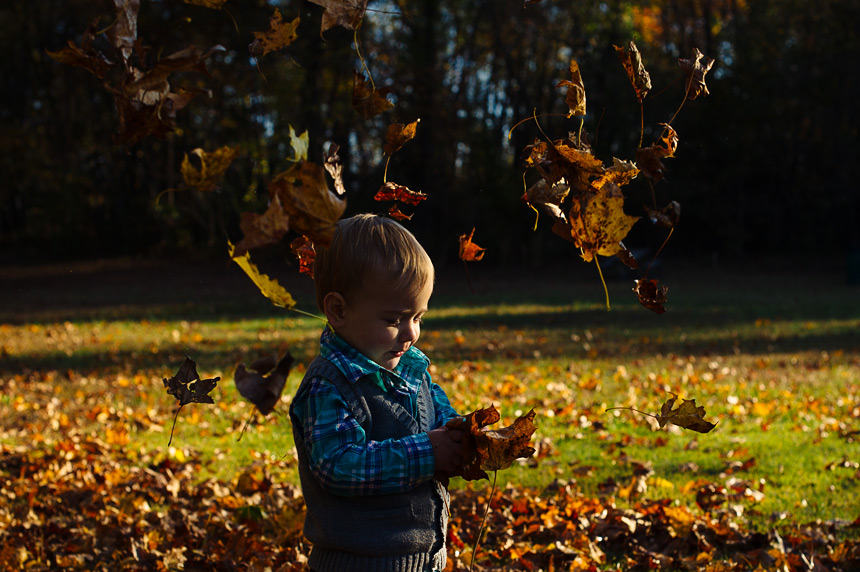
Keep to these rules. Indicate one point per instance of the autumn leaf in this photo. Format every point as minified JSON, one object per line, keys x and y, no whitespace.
{"x":575,"y":98}
{"x":262,"y":230}
{"x":393,"y":192}
{"x":651,"y":295}
{"x":123,"y":33}
{"x":187,"y":387}
{"x":597,"y":223}
{"x":279,"y":35}
{"x":263,"y":382}
{"x":367,"y":100}
{"x":667,"y":216}
{"x":334,"y":168}
{"x":303,"y":248}
{"x":212,"y":167}
{"x":395,"y":213}
{"x":696,"y":68}
{"x":213,"y":4}
{"x":548,"y":198}
{"x":270,"y":288}
{"x":639,"y":77}
{"x":492,"y":450}
{"x":397,"y":135}
{"x":312,"y":207}
{"x":469,"y":251}
{"x":345,"y":13}
{"x":85,"y":56}
{"x":686,"y":415}
{"x":299,"y":144}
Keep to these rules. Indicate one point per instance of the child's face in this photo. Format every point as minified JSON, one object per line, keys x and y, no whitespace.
{"x":380,"y":323}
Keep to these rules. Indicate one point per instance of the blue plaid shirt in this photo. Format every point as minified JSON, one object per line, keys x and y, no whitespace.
{"x":341,"y":457}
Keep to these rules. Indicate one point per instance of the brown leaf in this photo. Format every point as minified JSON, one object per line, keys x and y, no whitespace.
{"x":303,"y":248}
{"x":686,"y":415}
{"x":367,"y":100}
{"x":264,"y":391}
{"x":666,"y":217}
{"x":279,"y":35}
{"x":649,"y":161}
{"x":213,"y":4}
{"x":187,"y":387}
{"x":393,"y":192}
{"x":639,"y":77}
{"x":469,"y":251}
{"x":85,"y":56}
{"x":397,"y":135}
{"x":212,"y":167}
{"x":262,"y":230}
{"x":696,"y":68}
{"x":548,"y":197}
{"x":312,"y":207}
{"x":650,"y":295}
{"x":334,"y":168}
{"x":397,"y":214}
{"x":123,"y":33}
{"x":575,"y":98}
{"x":346,"y":13}
{"x":598,"y":223}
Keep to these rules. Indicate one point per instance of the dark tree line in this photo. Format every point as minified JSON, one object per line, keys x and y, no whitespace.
{"x":765,"y":163}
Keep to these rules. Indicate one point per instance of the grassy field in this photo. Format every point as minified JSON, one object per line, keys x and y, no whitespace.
{"x":774,"y":359}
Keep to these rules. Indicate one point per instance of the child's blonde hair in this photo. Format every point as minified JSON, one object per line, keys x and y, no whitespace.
{"x":368,"y":245}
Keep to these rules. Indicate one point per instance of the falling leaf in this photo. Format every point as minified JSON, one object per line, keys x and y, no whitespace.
{"x":575,"y":90}
{"x":263,"y":382}
{"x":367,"y":100}
{"x":397,"y":135}
{"x":639,"y":77}
{"x":279,"y":35}
{"x":303,"y":248}
{"x":393,"y":192}
{"x":469,"y":251}
{"x":686,"y":415}
{"x":213,"y":4}
{"x":334,"y":168}
{"x":491,"y":450}
{"x":123,"y":32}
{"x":299,"y":144}
{"x":650,"y":295}
{"x":262,"y":230}
{"x":270,"y":288}
{"x":668,"y":141}
{"x":649,"y":161}
{"x":397,"y":214}
{"x":312,"y":207}
{"x":696,"y":68}
{"x":187,"y":387}
{"x":667,"y":216}
{"x":548,"y":198}
{"x":212,"y":167}
{"x":85,"y":56}
{"x":598,"y":223}
{"x":346,"y":13}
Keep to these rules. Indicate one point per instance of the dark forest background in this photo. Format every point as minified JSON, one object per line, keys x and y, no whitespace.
{"x":766,"y":167}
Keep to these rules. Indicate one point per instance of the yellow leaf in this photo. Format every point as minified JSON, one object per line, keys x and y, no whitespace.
{"x":212,"y":167}
{"x":269,"y":287}
{"x":300,"y":144}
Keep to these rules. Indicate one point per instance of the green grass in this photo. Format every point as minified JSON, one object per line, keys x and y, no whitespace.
{"x":775,"y":360}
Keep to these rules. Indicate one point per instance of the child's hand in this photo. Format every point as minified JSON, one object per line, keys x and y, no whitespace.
{"x":447,"y":449}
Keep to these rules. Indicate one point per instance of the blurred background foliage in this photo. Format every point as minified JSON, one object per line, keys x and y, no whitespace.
{"x":765,"y":166}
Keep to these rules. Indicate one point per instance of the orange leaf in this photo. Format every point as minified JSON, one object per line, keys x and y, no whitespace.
{"x":575,"y":90}
{"x":262,"y":230}
{"x":631,"y":59}
{"x":393,"y":192}
{"x":397,"y":135}
{"x":469,"y":251}
{"x":313,"y":208}
{"x":303,"y":248}
{"x":367,"y":100}
{"x":279,"y":35}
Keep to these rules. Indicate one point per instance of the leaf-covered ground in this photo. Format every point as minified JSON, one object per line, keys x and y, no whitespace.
{"x":89,"y":483}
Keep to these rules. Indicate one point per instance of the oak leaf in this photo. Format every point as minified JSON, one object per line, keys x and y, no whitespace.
{"x":262,"y":383}
{"x":397,"y":135}
{"x":213,"y":165}
{"x":270,"y":288}
{"x":312,"y":207}
{"x":491,"y":450}
{"x":262,"y":230}
{"x":346,"y":13}
{"x":651,"y":295}
{"x":696,"y":68}
{"x":279,"y":35}
{"x":367,"y":100}
{"x":639,"y":77}
{"x":575,"y":98}
{"x":469,"y":251}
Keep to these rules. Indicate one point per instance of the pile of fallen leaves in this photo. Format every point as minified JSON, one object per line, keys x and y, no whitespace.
{"x":81,"y":504}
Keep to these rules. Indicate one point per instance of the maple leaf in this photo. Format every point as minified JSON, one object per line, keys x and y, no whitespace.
{"x":393,"y":192}
{"x":575,"y":98}
{"x":686,"y":415}
{"x":212,"y":167}
{"x":666,"y":217}
{"x":312,"y":207}
{"x":597,"y":222}
{"x":367,"y":100}
{"x":549,"y":197}
{"x":270,"y":288}
{"x":650,"y":295}
{"x":303,"y":248}
{"x":187,"y":387}
{"x":397,"y":135}
{"x":261,"y":230}
{"x":85,"y":56}
{"x":279,"y":35}
{"x":346,"y":13}
{"x":263,"y":382}
{"x":696,"y":68}
{"x":469,"y":251}
{"x":492,"y":450}
{"x":649,"y":161}
{"x":639,"y":77}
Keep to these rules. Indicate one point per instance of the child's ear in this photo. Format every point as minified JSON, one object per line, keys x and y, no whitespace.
{"x":334,"y":307}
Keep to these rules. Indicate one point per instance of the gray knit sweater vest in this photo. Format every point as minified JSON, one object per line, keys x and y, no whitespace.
{"x":403,"y":532}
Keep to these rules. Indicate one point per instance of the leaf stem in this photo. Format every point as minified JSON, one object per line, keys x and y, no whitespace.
{"x":175,"y":416}
{"x":602,"y":281}
{"x":308,"y":314}
{"x":483,"y":521}
{"x":633,"y":409}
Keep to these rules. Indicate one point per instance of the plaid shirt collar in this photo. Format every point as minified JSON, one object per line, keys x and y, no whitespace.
{"x":355,"y":365}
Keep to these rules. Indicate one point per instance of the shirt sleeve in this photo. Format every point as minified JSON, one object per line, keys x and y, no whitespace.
{"x":444,"y":410}
{"x":345,"y":462}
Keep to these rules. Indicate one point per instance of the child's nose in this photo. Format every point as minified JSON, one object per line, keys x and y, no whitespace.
{"x":410,"y":332}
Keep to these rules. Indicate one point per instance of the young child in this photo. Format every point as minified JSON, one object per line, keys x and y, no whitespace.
{"x":368,"y":422}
